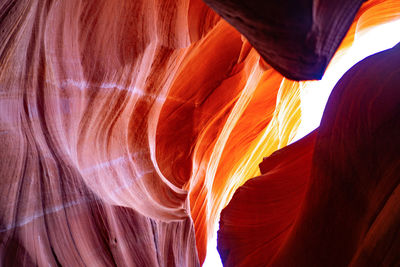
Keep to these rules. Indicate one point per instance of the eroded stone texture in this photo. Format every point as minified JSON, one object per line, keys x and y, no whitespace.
{"x":120,"y":124}
{"x":298,"y":38}
{"x":126,"y":126}
{"x":350,"y":212}
{"x":261,"y":213}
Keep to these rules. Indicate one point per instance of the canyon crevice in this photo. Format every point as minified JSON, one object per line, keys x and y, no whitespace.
{"x":126,"y":127}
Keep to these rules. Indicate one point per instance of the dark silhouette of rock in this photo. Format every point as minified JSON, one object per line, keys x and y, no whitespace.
{"x":297,"y":38}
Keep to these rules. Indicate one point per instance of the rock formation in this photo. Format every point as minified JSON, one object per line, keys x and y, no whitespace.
{"x":331,"y":199}
{"x":127,"y":126}
{"x":298,"y":38}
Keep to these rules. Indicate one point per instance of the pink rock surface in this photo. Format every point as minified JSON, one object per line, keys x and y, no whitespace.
{"x":114,"y":116}
{"x":127,"y":126}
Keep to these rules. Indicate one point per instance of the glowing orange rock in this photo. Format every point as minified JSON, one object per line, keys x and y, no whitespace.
{"x":349,"y":215}
{"x":261,"y":213}
{"x":127,"y":126}
{"x":119,"y":123}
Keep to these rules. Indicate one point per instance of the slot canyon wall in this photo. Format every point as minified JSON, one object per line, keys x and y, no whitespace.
{"x":126,"y":127}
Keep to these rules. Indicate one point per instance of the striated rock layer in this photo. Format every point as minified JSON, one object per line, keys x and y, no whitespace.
{"x":126,"y":127}
{"x":349,"y":170}
{"x":80,"y":85}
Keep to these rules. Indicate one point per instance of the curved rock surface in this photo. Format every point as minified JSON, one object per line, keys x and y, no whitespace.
{"x":127,"y":126}
{"x":298,"y":38}
{"x":261,"y":213}
{"x":351,"y":211}
{"x":349,"y":215}
{"x":119,"y":126}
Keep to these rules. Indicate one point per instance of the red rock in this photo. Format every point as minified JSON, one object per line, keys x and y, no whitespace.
{"x":261,"y":213}
{"x":126,"y":127}
{"x":350,"y":212}
{"x":111,"y":114}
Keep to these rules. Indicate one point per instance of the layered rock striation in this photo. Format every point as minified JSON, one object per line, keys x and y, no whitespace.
{"x":127,"y":126}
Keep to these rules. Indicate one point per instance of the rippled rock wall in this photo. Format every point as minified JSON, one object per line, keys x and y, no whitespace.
{"x":127,"y":126}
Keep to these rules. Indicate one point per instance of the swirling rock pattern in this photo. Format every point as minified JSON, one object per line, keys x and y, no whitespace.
{"x":119,"y":126}
{"x":127,"y":126}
